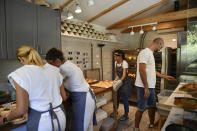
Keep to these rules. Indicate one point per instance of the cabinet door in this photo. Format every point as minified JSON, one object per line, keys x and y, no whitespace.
{"x":20,"y":25}
{"x":3,"y":54}
{"x":49,"y":33}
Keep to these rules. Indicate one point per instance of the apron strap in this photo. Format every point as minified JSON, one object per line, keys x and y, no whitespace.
{"x":95,"y":110}
{"x":54,"y":116}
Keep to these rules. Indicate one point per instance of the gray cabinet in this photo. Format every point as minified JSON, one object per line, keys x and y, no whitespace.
{"x":30,"y":24}
{"x":49,"y":33}
{"x":21,"y":25}
{"x":3,"y":53}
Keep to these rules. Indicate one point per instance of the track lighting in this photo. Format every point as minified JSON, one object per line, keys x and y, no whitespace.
{"x":141,"y":31}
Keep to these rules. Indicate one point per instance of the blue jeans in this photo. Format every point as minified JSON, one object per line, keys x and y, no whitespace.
{"x":125,"y":103}
{"x":143,"y":103}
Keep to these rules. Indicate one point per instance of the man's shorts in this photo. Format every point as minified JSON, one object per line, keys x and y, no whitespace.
{"x":143,"y":103}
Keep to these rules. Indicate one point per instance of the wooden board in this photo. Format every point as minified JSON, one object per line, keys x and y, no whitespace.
{"x":171,"y":16}
{"x":99,"y":91}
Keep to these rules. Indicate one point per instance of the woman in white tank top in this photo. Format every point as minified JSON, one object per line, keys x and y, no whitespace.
{"x":39,"y":91}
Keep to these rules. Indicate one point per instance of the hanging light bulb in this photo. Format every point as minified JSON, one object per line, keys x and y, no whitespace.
{"x":90,"y":3}
{"x":78,"y":9}
{"x":154,"y":28}
{"x":141,"y":31}
{"x":132,"y":32}
{"x":69,"y":16}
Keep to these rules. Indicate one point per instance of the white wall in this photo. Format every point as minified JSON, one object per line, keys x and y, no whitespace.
{"x":78,"y":44}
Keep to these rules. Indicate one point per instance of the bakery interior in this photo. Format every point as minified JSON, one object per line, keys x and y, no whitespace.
{"x":89,"y":32}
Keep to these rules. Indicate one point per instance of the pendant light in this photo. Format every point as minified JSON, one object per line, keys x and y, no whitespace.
{"x":78,"y":9}
{"x":69,"y":16}
{"x":141,"y":31}
{"x":132,"y":32}
{"x":154,"y":28}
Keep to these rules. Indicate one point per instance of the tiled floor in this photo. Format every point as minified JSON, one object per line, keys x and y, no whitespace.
{"x":129,"y":125}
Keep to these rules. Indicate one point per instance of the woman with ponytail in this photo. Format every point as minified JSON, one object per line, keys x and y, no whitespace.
{"x":39,"y":92}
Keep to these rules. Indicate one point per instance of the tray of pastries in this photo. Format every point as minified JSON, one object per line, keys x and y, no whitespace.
{"x":7,"y":108}
{"x":190,"y":89}
{"x":186,"y":103}
{"x":103,"y":84}
{"x":91,"y":81}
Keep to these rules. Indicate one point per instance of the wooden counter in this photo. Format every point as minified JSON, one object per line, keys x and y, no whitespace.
{"x":99,"y":91}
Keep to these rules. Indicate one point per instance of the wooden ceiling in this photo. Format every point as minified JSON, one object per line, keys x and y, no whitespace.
{"x":172,"y":16}
{"x":165,"y":20}
{"x":136,"y":14}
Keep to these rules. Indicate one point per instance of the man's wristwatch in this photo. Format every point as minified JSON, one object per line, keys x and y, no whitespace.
{"x":5,"y":120}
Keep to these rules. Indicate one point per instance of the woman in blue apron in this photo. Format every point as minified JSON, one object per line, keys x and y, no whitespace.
{"x":82,"y":97}
{"x":39,"y":92}
{"x":121,"y":74}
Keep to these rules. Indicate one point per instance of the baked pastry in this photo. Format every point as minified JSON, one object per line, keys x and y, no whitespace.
{"x":185,"y":103}
{"x":5,"y":112}
{"x":189,"y":87}
{"x":105,"y":84}
{"x":89,"y":81}
{"x":2,"y":108}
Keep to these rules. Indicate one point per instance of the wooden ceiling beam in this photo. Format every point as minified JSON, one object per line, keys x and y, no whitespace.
{"x":171,"y":16}
{"x":65,"y":4}
{"x":160,"y":26}
{"x":136,"y":14}
{"x":107,"y":10}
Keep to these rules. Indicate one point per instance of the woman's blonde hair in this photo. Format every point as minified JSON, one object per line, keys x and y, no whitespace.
{"x":30,"y":54}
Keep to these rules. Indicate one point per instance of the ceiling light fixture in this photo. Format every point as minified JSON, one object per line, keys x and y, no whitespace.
{"x":78,"y":9}
{"x":90,"y":3}
{"x":141,"y":31}
{"x":132,"y":32}
{"x":69,"y":16}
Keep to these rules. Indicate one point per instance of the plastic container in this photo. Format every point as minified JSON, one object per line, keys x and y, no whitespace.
{"x":163,"y":111}
{"x":164,"y":94}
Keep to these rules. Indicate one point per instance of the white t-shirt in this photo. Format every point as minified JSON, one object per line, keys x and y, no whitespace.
{"x":41,"y":83}
{"x":146,"y":56}
{"x":124,"y":64}
{"x":74,"y":80}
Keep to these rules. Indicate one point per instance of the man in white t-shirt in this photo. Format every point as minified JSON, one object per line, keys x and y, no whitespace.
{"x":146,"y":80}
